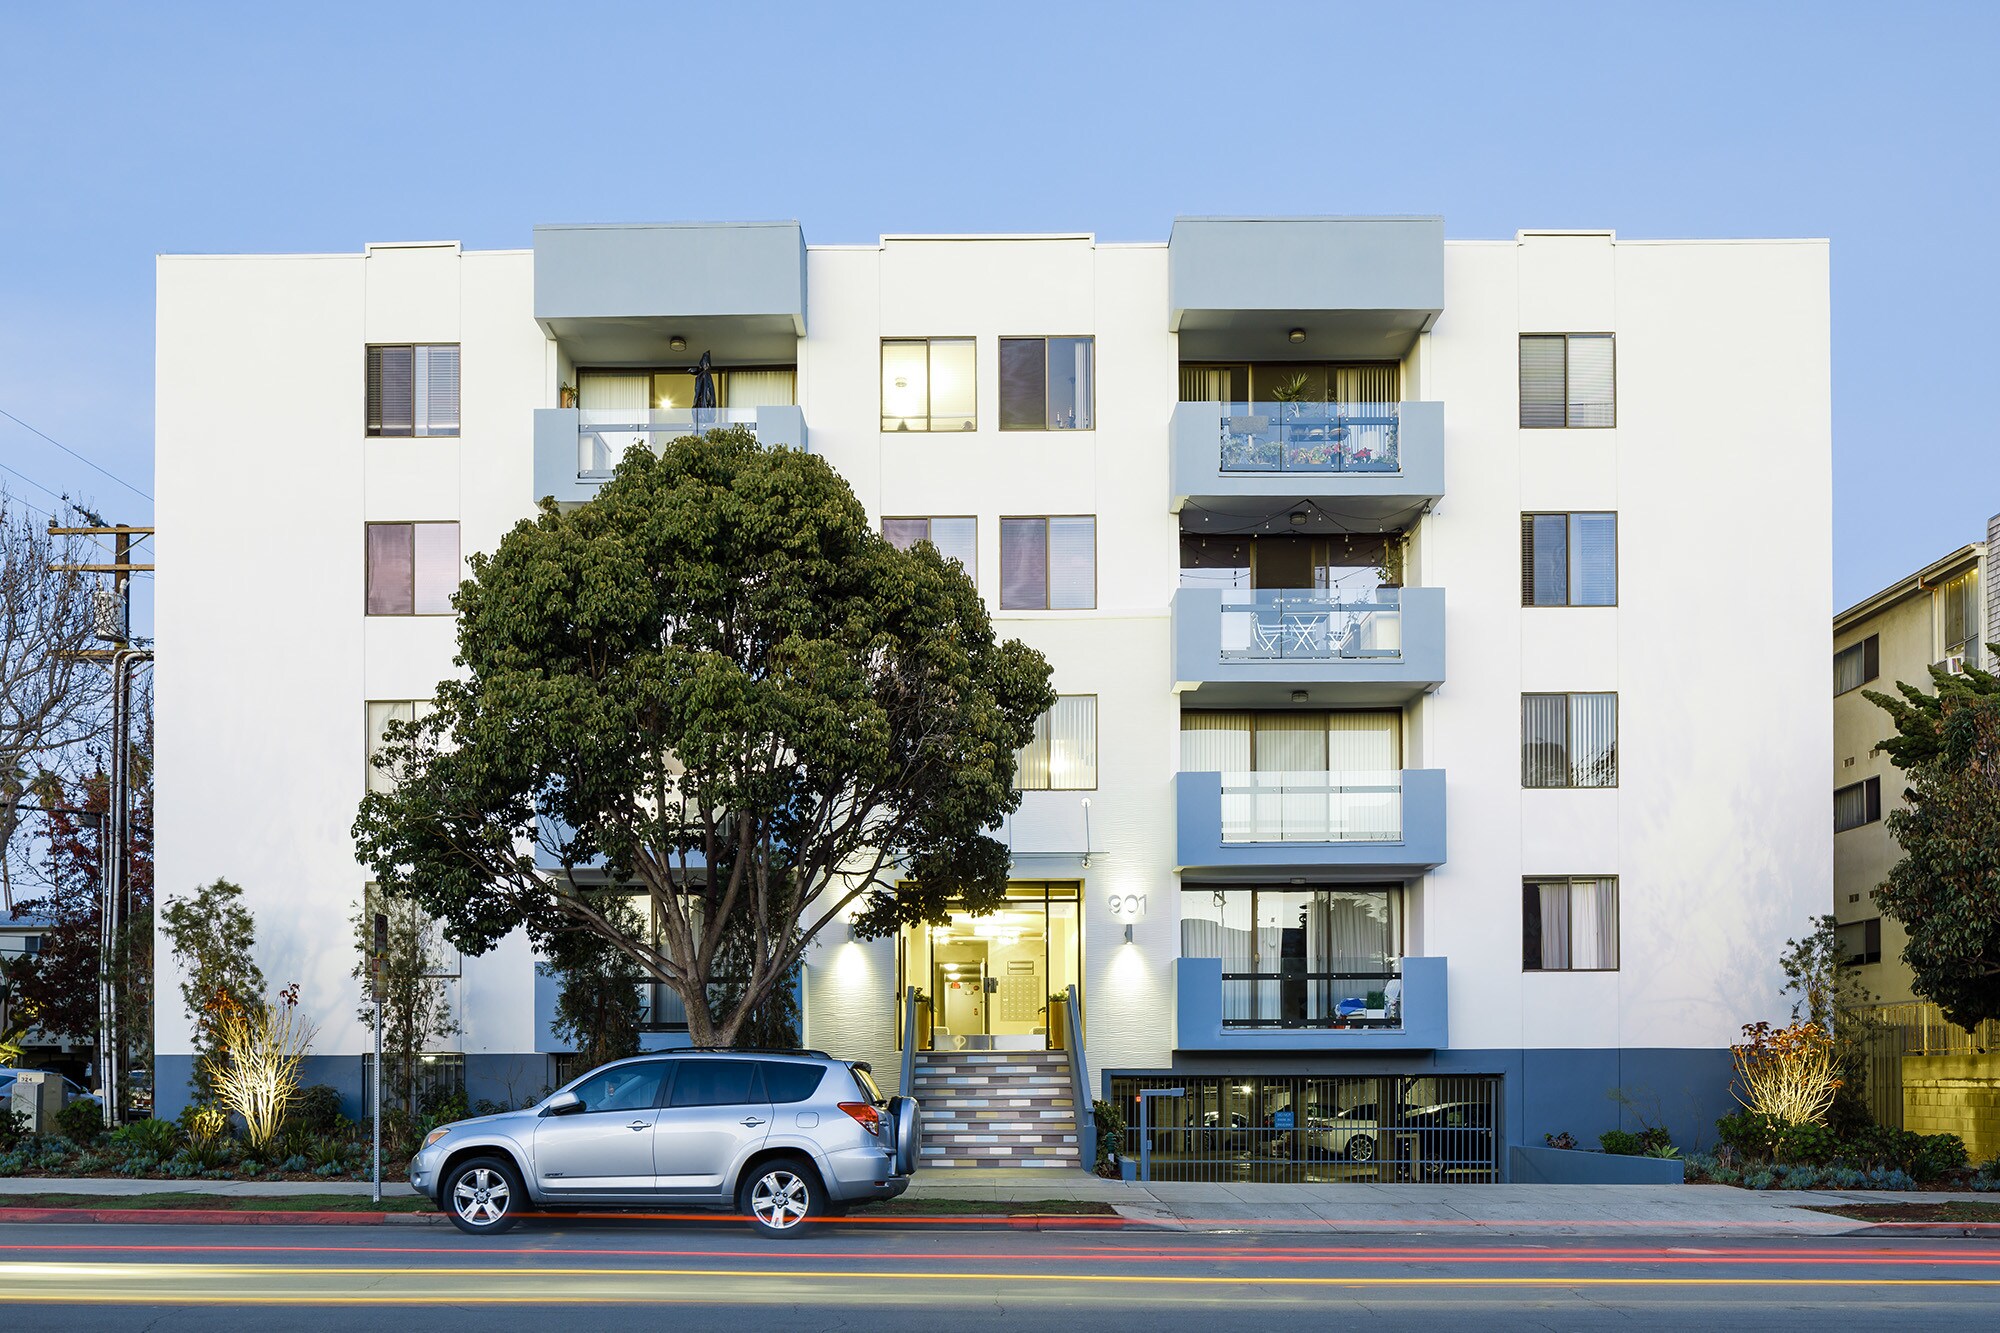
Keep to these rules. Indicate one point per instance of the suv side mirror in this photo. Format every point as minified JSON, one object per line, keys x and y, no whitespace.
{"x":563,"y":1103}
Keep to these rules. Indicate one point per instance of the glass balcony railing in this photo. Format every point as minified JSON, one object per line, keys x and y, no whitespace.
{"x":1262,"y":624}
{"x":603,"y":434}
{"x":1310,"y":437}
{"x":1355,"y":805}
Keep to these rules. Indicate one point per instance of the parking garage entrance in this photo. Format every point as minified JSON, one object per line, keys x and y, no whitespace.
{"x":1314,"y":1128}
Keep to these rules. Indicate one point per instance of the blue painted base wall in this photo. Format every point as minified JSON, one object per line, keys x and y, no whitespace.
{"x":1579,"y":1092}
{"x":508,"y":1079}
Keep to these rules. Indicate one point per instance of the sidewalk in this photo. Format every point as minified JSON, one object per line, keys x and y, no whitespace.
{"x":1521,"y":1210}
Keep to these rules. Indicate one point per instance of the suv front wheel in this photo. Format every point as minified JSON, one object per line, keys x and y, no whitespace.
{"x":782,"y":1198}
{"x":483,"y":1196}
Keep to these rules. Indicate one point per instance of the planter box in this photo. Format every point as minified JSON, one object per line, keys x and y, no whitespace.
{"x":1575,"y":1166}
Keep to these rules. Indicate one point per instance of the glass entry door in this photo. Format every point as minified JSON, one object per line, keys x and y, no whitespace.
{"x":997,"y":981}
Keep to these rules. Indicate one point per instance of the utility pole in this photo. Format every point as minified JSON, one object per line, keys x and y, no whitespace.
{"x":113,"y":608}
{"x":378,"y":964}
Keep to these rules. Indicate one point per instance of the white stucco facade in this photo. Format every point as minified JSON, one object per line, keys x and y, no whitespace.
{"x":1716,"y":829}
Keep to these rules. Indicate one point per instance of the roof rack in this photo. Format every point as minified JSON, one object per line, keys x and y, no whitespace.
{"x":744,"y":1050}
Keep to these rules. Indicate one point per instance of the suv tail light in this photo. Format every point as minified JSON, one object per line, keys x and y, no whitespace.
{"x":865,"y":1115}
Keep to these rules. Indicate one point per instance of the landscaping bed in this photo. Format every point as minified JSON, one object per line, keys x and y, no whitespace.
{"x":1946,"y":1210}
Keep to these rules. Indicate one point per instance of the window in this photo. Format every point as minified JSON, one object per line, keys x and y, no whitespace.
{"x":788,"y":1082}
{"x":1569,"y":740}
{"x":622,"y":1088}
{"x":381,"y":712}
{"x":715,"y":1083}
{"x":955,"y":538}
{"x":1569,"y":925}
{"x":413,"y":390}
{"x":928,"y":384}
{"x":1046,"y":383}
{"x":412,"y":568}
{"x":31,"y":944}
{"x":1568,"y":379}
{"x":1857,"y":664}
{"x":1958,"y":617}
{"x":1858,"y":943}
{"x":1299,"y":957}
{"x":1857,"y":804}
{"x":1048,"y":564}
{"x":1569,"y":560}
{"x":1063,"y":754}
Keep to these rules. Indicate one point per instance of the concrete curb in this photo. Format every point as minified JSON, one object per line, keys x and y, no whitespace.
{"x":217,"y":1217}
{"x":1067,"y":1222}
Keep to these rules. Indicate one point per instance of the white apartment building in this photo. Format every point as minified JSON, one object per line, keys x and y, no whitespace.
{"x":1423,"y":754}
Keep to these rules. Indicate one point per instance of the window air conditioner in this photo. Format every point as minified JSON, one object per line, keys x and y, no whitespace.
{"x":1954,"y":663}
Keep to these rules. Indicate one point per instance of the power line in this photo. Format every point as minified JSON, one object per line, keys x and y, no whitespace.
{"x":46,"y":490}
{"x":74,"y":454}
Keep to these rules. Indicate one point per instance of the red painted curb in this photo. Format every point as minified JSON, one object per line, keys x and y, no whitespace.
{"x":204,"y":1216}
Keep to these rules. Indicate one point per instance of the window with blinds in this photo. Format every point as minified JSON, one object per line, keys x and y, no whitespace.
{"x":1569,"y":560}
{"x":1569,"y":740}
{"x":928,"y":384}
{"x":381,"y":712}
{"x":1958,"y":616}
{"x":1569,"y":924}
{"x":1568,"y":380}
{"x":1857,"y":664}
{"x":413,"y":568}
{"x":413,"y":389}
{"x":1063,"y":754}
{"x":955,"y":538}
{"x":1295,"y":741}
{"x":1858,"y":943}
{"x":1856,"y":804}
{"x":1048,"y":564}
{"x":1046,"y":383}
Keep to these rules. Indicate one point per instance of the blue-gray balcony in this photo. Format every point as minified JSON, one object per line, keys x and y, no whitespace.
{"x":1323,"y":289}
{"x":1400,"y":1007}
{"x":1252,"y":648}
{"x":1374,"y":463}
{"x":1356,"y":825}
{"x":577,"y":448}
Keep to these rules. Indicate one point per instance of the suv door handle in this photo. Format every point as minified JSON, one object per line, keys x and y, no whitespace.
{"x":751,"y":1121}
{"x":636,"y":1124}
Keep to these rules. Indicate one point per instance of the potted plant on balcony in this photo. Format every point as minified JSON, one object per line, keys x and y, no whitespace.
{"x":1378,"y":1005}
{"x":1292,"y":393}
{"x":568,"y":392}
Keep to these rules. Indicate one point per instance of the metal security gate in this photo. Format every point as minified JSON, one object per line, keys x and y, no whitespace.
{"x":1313,"y":1129}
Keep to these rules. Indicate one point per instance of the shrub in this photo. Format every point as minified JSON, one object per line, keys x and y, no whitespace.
{"x":1621,"y":1143}
{"x":145,"y":1138}
{"x":1806,"y":1143}
{"x":316,"y":1110}
{"x":201,"y":1123}
{"x":1110,"y":1137}
{"x":1563,"y":1140}
{"x":1789,"y":1074}
{"x":81,"y":1122}
{"x":1747,"y":1134}
{"x":1937,"y":1155}
{"x":13,"y":1131}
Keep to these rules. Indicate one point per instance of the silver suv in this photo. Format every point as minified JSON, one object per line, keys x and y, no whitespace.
{"x":785,"y":1137}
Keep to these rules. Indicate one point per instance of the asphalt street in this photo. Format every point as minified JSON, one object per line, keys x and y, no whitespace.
{"x":562,"y":1274}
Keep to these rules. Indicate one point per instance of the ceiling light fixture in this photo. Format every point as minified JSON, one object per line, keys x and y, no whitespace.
{"x":1297,"y":335}
{"x":677,"y":343}
{"x":1298,"y":518}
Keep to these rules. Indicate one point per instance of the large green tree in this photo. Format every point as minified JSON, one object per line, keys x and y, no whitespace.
{"x":1946,"y":889}
{"x":717,"y":684}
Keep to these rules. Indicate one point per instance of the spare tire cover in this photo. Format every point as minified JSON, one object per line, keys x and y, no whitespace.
{"x":908,"y":1118}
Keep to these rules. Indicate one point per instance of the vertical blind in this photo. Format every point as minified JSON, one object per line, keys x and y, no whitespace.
{"x":1569,"y":740}
{"x":1569,"y":924}
{"x":1048,"y":563}
{"x":1063,"y":754}
{"x":1569,"y":559}
{"x":955,"y":538}
{"x":1361,"y":740}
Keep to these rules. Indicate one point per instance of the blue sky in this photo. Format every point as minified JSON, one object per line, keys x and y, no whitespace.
{"x":126,"y":131}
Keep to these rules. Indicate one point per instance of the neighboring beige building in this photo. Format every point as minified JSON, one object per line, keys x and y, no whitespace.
{"x":1945,"y":612}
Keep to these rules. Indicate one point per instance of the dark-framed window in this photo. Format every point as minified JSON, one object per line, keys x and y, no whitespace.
{"x":1856,"y":804}
{"x":413,"y":389}
{"x":1048,"y":563}
{"x":413,"y":568}
{"x":1569,"y":559}
{"x":956,"y":538}
{"x":1569,"y":380}
{"x":930,"y":384}
{"x":1858,"y":943}
{"x":1857,"y":664}
{"x":1063,"y":754}
{"x":1569,"y":923}
{"x":1048,"y":383}
{"x":1569,"y":740}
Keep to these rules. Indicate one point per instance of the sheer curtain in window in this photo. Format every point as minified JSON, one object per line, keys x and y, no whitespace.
{"x":625,"y":394}
{"x":1220,"y":743}
{"x":1215,"y":923}
{"x":437,"y":571}
{"x":1072,"y":732}
{"x":1593,"y":924}
{"x":1024,"y":564}
{"x":760,"y":388}
{"x":1364,"y":759}
{"x":1555,"y":926}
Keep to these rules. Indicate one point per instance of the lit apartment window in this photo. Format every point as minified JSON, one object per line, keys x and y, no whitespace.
{"x":1046,"y":383}
{"x":1569,"y":740}
{"x":1858,"y":943}
{"x":1048,"y":564}
{"x":1569,"y":924}
{"x":1568,"y":379}
{"x":1063,"y":755}
{"x":928,"y":384}
{"x":1958,"y":617}
{"x":381,"y":712}
{"x":413,"y":389}
{"x":955,"y":538}
{"x":1857,"y":664}
{"x":412,"y":568}
{"x":1856,"y":804}
{"x":1569,"y":560}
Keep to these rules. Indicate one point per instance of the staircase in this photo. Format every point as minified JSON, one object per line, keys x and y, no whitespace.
{"x":997,"y":1108}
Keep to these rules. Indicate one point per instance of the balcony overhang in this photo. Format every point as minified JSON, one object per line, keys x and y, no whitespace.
{"x":1201,"y":850}
{"x":618,"y":294}
{"x":1205,"y":675}
{"x":1199,"y":1029}
{"x":1359,"y":288}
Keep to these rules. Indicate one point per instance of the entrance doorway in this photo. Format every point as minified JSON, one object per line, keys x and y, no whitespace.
{"x":996,"y":982}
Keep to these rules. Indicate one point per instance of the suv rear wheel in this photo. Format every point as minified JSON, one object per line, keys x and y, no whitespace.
{"x":483,"y":1196}
{"x":782,"y":1198}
